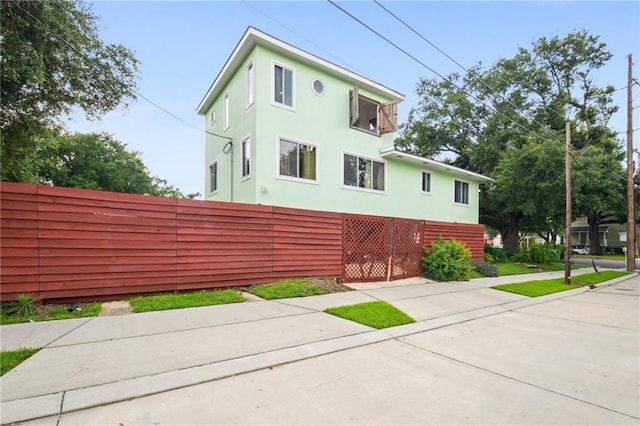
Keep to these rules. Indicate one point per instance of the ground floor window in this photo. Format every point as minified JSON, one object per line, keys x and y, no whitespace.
{"x":461,"y":192}
{"x":246,"y":157}
{"x":213,"y":177}
{"x":297,"y":160}
{"x":363,"y":172}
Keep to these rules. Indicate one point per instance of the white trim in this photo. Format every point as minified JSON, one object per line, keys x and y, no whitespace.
{"x":295,"y":178}
{"x":291,"y":107}
{"x":253,"y":37}
{"x":250,"y":85}
{"x":358,"y":188}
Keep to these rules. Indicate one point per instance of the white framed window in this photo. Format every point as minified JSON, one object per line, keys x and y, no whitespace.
{"x":213,"y":117}
{"x":361,"y":172}
{"x":426,"y":181}
{"x":225,"y":111}
{"x":297,"y":160}
{"x":250,"y":84}
{"x":283,"y":84}
{"x":213,"y":177}
{"x":460,"y":192}
{"x":246,"y":157}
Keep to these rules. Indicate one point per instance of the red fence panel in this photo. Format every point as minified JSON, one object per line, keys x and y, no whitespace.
{"x":19,"y":239}
{"x":471,"y":234}
{"x":306,"y":243}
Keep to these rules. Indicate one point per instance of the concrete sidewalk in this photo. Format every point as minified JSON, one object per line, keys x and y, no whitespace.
{"x":93,"y":362}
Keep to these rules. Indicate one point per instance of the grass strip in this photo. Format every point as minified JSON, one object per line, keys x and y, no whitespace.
{"x":54,"y":313}
{"x":300,"y":287}
{"x":10,"y":359}
{"x":373,"y":314}
{"x":544,"y":287}
{"x":163,"y":302}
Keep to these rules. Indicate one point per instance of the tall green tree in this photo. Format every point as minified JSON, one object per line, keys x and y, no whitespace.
{"x":98,"y":161}
{"x":53,"y":61}
{"x":507,"y":121}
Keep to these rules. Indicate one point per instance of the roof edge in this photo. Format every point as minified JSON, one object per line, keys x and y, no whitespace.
{"x":392,"y":153}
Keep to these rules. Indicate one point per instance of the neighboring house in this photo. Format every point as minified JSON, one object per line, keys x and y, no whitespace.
{"x":608,"y":234}
{"x":306,"y":133}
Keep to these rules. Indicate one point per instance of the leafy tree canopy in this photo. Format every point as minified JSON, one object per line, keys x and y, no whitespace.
{"x":508,"y":121}
{"x":98,"y":161}
{"x":53,"y":61}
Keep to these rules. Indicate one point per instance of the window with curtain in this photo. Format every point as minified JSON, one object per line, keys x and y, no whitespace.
{"x":297,"y":160}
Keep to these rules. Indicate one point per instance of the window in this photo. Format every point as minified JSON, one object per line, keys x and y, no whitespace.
{"x":246,"y":157}
{"x":225,"y":111}
{"x":363,"y":173}
{"x":297,"y":160}
{"x":461,"y":192}
{"x":318,"y":87}
{"x":213,"y":117}
{"x":426,"y":181}
{"x":371,"y":116}
{"x":283,"y":85}
{"x":213,"y":177}
{"x":250,"y":84}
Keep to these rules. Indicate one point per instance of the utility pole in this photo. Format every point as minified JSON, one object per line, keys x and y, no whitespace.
{"x":631,"y":205}
{"x":567,"y":184}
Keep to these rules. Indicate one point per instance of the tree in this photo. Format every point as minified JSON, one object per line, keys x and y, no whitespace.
{"x":52,"y":62}
{"x":508,"y":122}
{"x":98,"y":161}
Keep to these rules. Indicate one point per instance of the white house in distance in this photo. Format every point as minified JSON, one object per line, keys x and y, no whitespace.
{"x":295,"y":130}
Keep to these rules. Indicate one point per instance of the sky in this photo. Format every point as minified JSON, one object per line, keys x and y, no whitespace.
{"x":183,"y":45}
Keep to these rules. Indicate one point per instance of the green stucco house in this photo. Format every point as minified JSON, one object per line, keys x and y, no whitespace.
{"x":287,"y":128}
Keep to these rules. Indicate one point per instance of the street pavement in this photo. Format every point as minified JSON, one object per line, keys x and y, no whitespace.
{"x":474,"y":356}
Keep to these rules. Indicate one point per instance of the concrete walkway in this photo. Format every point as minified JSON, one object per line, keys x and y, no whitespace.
{"x":475,"y":355}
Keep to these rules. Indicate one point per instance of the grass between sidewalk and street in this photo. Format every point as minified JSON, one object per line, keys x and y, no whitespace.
{"x":544,"y":287}
{"x":373,"y":314}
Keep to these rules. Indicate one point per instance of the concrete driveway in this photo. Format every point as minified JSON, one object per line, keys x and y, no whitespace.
{"x":475,"y":356}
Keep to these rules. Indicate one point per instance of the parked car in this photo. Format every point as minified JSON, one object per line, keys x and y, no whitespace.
{"x":580,"y":250}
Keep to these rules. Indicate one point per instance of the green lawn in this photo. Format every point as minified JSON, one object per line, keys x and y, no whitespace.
{"x":163,"y":302}
{"x":285,"y":289}
{"x":10,"y":359}
{"x":544,"y":287}
{"x":50,"y":313}
{"x":510,"y":268}
{"x":373,"y":314}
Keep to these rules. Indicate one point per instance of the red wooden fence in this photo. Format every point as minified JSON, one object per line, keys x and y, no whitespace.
{"x":64,"y":243}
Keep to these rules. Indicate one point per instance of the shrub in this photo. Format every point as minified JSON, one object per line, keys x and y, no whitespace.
{"x":23,"y":306}
{"x":447,"y":260}
{"x":495,"y":254}
{"x":485,"y":268}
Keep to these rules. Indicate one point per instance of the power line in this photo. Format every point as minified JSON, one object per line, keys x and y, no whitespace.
{"x":459,"y":64}
{"x":99,"y":65}
{"x":429,"y":68}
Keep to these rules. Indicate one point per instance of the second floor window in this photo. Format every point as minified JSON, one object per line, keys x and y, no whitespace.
{"x":372,"y":116}
{"x":363,"y":173}
{"x":225,"y":111}
{"x":283,"y":85}
{"x":250,"y":84}
{"x":461,"y":192}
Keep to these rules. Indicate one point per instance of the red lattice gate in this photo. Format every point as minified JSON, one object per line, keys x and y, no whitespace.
{"x":380,"y":248}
